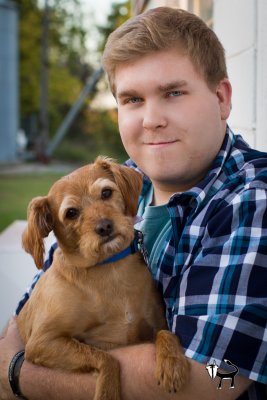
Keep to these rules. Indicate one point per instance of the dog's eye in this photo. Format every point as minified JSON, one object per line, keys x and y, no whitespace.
{"x":106,"y":194}
{"x":72,"y":213}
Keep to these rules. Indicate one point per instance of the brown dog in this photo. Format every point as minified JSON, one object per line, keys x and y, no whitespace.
{"x":83,"y":305}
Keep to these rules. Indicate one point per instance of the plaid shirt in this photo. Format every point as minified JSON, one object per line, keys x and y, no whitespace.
{"x":212,"y":271}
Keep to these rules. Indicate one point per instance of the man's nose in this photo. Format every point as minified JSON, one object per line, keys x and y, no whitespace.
{"x":154,"y":117}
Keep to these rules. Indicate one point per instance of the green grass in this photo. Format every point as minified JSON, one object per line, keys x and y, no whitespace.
{"x":17,"y":191}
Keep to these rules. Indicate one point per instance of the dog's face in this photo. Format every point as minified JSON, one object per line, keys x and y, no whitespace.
{"x":90,"y":211}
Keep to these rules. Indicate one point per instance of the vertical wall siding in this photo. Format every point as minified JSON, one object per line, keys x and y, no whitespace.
{"x":241,"y":26}
{"x":8,"y":80}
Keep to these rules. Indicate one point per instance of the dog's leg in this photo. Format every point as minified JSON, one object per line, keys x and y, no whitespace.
{"x":70,"y":354}
{"x":172,"y":367}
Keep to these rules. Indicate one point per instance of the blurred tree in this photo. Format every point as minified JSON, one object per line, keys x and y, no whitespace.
{"x":29,"y":56}
{"x":68,"y":37}
{"x":68,"y":68}
{"x":97,"y":130}
{"x":102,"y":125}
{"x":93,"y":131}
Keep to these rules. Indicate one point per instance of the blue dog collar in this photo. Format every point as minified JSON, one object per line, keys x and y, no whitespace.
{"x":135,"y":246}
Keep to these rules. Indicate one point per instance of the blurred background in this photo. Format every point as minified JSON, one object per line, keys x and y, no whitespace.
{"x":56,"y":112}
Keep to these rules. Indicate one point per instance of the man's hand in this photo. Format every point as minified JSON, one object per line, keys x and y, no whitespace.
{"x":10,"y":344}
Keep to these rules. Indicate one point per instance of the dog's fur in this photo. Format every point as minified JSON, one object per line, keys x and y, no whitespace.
{"x":80,"y":309}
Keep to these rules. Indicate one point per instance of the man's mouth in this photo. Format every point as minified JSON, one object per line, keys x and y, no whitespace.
{"x":161,"y":142}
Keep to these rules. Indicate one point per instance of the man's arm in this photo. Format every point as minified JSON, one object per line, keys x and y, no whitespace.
{"x":38,"y":383}
{"x":138,"y":380}
{"x":137,"y":377}
{"x":10,"y":344}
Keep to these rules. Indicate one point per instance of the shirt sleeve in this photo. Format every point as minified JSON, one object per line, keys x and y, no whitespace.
{"x":29,"y":290}
{"x":221,"y":308}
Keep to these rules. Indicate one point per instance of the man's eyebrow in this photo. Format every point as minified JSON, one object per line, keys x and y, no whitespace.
{"x":127,"y":93}
{"x":172,"y":85}
{"x":162,"y":88}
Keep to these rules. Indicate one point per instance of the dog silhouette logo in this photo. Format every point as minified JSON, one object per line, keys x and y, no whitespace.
{"x":213,"y":372}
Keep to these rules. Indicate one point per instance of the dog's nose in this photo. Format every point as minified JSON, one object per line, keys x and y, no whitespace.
{"x":104,"y":227}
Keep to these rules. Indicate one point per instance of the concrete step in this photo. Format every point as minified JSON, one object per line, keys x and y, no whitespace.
{"x":17,"y":269}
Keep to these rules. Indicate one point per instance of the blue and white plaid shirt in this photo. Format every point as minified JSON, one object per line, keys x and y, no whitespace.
{"x":212,"y":271}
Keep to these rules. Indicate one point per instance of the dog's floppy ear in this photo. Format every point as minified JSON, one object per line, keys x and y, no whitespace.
{"x":40,"y":223}
{"x":130,"y":183}
{"x":128,"y":180}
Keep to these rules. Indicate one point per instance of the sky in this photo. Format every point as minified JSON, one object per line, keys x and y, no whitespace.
{"x":96,"y":11}
{"x":100,"y":8}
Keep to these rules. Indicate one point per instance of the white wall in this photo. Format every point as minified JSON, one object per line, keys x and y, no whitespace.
{"x":261,"y":77}
{"x":241,"y":27}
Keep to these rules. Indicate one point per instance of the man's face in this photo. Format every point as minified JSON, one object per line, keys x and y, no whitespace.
{"x":171,"y":123}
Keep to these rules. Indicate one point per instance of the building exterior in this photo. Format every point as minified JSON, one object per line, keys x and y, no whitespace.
{"x":8,"y":80}
{"x":241,"y":27}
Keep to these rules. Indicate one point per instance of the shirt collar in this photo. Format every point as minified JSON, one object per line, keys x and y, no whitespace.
{"x":206,"y":187}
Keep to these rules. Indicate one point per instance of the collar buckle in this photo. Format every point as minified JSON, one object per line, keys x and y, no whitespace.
{"x":139,"y":238}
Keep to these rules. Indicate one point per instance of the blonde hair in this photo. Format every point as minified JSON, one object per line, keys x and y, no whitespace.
{"x":164,"y":28}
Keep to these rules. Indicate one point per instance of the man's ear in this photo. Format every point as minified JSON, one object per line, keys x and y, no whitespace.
{"x":40,"y":223}
{"x":224,"y":95}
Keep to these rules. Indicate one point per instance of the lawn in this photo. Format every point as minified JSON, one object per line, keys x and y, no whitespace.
{"x":17,"y":191}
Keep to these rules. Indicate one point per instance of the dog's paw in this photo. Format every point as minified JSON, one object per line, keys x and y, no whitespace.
{"x":172,"y":372}
{"x":109,"y":395}
{"x":108,"y":392}
{"x":172,"y":367}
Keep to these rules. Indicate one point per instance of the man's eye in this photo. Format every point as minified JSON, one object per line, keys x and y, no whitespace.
{"x":174,"y":93}
{"x":133,"y":100}
{"x":106,"y":194}
{"x":72,"y":213}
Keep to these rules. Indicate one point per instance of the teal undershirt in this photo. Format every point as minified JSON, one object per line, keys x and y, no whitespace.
{"x":156,"y":227}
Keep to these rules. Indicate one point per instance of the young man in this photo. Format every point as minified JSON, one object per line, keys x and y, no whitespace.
{"x":203,"y":207}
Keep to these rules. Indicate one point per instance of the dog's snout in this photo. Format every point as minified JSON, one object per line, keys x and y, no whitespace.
{"x":104,"y":227}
